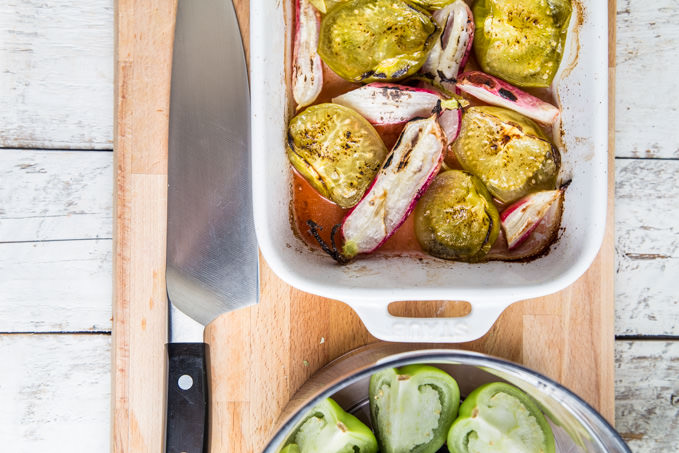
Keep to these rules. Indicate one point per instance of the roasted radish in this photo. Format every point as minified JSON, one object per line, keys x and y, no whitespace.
{"x":509,"y":152}
{"x":498,"y":92}
{"x":450,"y":52}
{"x":336,"y":150}
{"x":456,"y":218}
{"x":389,"y":103}
{"x":537,"y":242}
{"x":404,"y":176}
{"x":522,"y":217}
{"x":307,"y":71}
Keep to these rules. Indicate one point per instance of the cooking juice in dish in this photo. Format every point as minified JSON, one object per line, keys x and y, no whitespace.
{"x":309,"y":207}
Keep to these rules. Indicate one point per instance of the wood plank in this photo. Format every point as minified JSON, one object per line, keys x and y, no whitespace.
{"x":55,"y":393}
{"x":648,"y":89}
{"x":55,"y":286}
{"x":647,"y":394}
{"x":49,"y":195}
{"x":56,"y":74}
{"x":647,"y":247}
{"x":144,"y":37}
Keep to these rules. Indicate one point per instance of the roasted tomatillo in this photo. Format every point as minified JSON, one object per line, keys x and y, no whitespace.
{"x":456,"y":219}
{"x":376,"y":40}
{"x":412,"y":408}
{"x":509,"y":152}
{"x":498,"y":417}
{"x":336,"y":150}
{"x":329,"y":429}
{"x":521,"y":41}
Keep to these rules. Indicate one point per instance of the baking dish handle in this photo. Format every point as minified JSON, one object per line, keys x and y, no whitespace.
{"x":385,"y":326}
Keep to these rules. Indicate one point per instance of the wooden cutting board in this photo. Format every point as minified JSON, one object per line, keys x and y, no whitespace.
{"x":262,"y":354}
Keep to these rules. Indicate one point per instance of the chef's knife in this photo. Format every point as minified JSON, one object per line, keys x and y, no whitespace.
{"x":212,"y":257}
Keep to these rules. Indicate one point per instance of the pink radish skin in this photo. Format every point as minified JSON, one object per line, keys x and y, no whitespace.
{"x":522,"y":217}
{"x":407,"y":172}
{"x":451,"y":51}
{"x":307,"y":70}
{"x":389,"y":103}
{"x":536,"y":243}
{"x":450,"y":121}
{"x":498,"y":92}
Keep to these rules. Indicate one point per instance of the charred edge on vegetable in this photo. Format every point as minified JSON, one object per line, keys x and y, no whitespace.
{"x":443,"y":77}
{"x":490,"y":229}
{"x":399,"y":73}
{"x":481,"y":79}
{"x":333,"y":252}
{"x":437,"y":108}
{"x":556,"y":155}
{"x":367,"y":74}
{"x":507,"y":95}
{"x":565,"y":185}
{"x":388,"y":162}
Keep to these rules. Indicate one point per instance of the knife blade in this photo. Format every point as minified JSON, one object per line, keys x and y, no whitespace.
{"x":212,"y":255}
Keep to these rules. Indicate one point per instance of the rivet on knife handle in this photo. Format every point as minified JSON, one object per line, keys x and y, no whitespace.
{"x":187,"y":396}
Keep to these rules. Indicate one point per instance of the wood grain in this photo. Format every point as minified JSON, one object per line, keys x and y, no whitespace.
{"x":144,"y":35}
{"x":56,"y":74}
{"x":53,"y":391}
{"x":647,"y":390}
{"x":647,"y":252}
{"x":648,"y":43}
{"x":59,"y":286}
{"x":47,"y":195}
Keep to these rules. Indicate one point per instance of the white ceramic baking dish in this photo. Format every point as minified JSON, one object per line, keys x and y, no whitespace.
{"x":371,"y":283}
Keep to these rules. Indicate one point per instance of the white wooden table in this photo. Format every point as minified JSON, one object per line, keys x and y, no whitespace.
{"x":56,"y":126}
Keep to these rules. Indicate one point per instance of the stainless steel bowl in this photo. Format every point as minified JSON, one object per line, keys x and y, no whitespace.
{"x":577,"y":426}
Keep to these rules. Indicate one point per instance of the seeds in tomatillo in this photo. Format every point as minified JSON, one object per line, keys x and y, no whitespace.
{"x":376,"y":40}
{"x":336,"y":150}
{"x":521,"y":41}
{"x":456,"y":219}
{"x":509,"y":152}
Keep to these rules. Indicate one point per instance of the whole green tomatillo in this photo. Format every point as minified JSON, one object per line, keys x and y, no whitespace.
{"x":455,"y":218}
{"x":376,"y":40}
{"x":521,"y":41}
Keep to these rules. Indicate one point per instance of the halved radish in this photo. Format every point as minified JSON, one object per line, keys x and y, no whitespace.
{"x":389,"y":103}
{"x":307,"y":71}
{"x":451,"y":51}
{"x":406,"y":173}
{"x":522,"y":217}
{"x":498,"y":92}
{"x":537,"y":242}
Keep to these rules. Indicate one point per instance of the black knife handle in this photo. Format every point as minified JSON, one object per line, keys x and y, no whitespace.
{"x":186,"y":428}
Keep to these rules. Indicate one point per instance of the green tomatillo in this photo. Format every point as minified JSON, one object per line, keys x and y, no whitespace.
{"x":521,"y":41}
{"x":329,"y":429}
{"x":498,"y":417}
{"x":509,"y":152}
{"x":336,"y":150}
{"x":456,"y":219}
{"x":376,"y":40}
{"x":412,"y":408}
